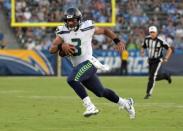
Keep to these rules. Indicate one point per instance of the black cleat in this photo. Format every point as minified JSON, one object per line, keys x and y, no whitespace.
{"x":169,"y":79}
{"x":147,"y":96}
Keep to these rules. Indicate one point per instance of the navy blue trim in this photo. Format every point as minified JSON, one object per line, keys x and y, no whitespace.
{"x":87,"y":28}
{"x":63,"y":32}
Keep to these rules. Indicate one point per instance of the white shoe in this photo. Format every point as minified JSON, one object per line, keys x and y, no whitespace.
{"x":90,"y":110}
{"x":129,"y":108}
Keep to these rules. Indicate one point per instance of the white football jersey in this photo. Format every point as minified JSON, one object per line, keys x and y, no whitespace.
{"x":81,"y":39}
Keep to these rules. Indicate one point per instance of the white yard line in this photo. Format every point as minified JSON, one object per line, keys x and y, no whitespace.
{"x":12,"y":91}
{"x":113,"y":127}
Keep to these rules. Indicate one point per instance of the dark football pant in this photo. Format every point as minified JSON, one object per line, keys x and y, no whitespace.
{"x":124,"y":67}
{"x":84,"y":75}
{"x":154,"y":66}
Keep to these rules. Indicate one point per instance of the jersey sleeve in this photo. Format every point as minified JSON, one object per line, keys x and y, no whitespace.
{"x":144,"y":43}
{"x":59,"y":31}
{"x":93,"y":23}
{"x":88,"y":26}
{"x":90,"y":23}
{"x":165,"y":44}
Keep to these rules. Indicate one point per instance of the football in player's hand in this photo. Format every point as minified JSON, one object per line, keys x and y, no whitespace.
{"x":62,"y":53}
{"x":67,"y":50}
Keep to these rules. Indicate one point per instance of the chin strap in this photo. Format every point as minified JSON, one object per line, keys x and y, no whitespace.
{"x":74,"y":28}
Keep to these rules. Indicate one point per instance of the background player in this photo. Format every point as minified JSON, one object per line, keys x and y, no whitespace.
{"x":74,"y":39}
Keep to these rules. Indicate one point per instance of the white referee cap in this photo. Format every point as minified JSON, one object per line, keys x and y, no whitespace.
{"x":153,"y":29}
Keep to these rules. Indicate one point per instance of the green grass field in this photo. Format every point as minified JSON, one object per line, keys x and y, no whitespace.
{"x":49,"y":104}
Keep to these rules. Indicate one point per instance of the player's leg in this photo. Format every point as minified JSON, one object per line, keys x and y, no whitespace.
{"x":121,"y":68}
{"x":80,"y":73}
{"x":94,"y":85}
{"x":164,"y":76}
{"x":126,"y":67}
{"x":76,"y":85}
{"x":153,"y":71}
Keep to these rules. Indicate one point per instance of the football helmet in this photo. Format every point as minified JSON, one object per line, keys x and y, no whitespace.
{"x":72,"y":19}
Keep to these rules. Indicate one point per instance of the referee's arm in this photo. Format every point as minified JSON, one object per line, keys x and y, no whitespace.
{"x":167,"y":55}
{"x":143,"y":46}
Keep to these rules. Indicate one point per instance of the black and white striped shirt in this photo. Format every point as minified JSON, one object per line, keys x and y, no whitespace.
{"x":155,"y":47}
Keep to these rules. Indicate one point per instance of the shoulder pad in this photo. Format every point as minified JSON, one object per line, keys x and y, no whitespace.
{"x":87,"y":25}
{"x":61,"y":30}
{"x":161,"y":38}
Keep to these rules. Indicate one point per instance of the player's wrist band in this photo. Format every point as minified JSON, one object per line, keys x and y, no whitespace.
{"x":59,"y":47}
{"x":116,"y":40}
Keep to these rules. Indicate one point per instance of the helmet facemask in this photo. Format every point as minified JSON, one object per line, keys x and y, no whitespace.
{"x":72,"y":24}
{"x":72,"y":18}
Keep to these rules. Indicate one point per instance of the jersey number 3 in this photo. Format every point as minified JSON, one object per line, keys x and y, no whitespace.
{"x":77,"y":43}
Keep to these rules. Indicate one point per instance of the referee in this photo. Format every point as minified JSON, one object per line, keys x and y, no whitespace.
{"x":155,"y":45}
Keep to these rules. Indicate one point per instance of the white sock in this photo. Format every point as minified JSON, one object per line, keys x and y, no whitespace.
{"x":87,"y":101}
{"x":122,"y":102}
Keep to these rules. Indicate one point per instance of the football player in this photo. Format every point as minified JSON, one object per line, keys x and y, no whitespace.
{"x":74,"y":40}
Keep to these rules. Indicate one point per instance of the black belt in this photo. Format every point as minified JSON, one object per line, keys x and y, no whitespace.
{"x":154,"y":60}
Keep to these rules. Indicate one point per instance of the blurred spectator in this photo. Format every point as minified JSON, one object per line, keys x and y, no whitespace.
{"x":1,"y":3}
{"x":133,"y":18}
{"x":30,"y":44}
{"x":6,"y":4}
{"x":3,"y":43}
{"x":131,"y":44}
{"x":52,"y":11}
{"x":124,"y":62}
{"x":44,"y":44}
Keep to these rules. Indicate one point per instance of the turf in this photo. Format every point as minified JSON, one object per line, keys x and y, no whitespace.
{"x":49,"y":104}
